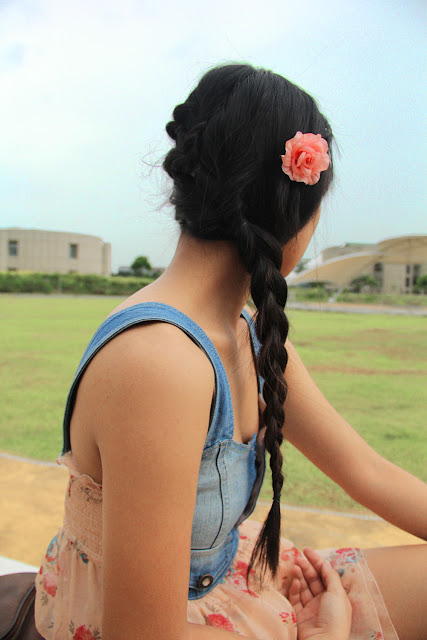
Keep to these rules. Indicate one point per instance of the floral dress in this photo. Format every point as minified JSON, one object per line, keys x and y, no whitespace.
{"x":69,"y":583}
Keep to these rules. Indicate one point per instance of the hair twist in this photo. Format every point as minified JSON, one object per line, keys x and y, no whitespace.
{"x":228,"y":185}
{"x":261,"y":254}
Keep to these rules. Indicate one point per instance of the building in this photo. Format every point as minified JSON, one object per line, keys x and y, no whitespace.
{"x":53,"y":252}
{"x":395,"y":264}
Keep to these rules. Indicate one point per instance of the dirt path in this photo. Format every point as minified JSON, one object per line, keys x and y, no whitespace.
{"x":31,"y":507}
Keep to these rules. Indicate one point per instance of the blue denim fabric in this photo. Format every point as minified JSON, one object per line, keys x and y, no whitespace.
{"x":230,"y":474}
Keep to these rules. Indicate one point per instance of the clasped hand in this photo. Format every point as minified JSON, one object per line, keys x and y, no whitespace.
{"x":321,"y":605}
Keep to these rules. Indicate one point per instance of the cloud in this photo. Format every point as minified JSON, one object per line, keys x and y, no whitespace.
{"x":90,"y":85}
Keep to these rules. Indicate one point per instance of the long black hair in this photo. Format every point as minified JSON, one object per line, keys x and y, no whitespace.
{"x":229,"y":185}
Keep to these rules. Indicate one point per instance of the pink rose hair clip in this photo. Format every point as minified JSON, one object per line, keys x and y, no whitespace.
{"x":306,"y":156}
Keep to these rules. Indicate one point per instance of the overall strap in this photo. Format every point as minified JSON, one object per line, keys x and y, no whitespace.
{"x":256,"y":344}
{"x":221,"y":426}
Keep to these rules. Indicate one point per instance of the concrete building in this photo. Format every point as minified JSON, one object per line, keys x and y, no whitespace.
{"x":395,"y":264}
{"x":53,"y":252}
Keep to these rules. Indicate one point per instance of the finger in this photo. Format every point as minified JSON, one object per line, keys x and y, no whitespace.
{"x":311,"y":573}
{"x":305,"y":593}
{"x":331,"y":579}
{"x":294,"y":595}
{"x":314,"y":558}
{"x":296,"y":572}
{"x":295,"y":586}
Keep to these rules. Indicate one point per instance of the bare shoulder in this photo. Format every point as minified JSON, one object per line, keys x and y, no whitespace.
{"x":146,"y":366}
{"x":146,"y":353}
{"x":150,"y":377}
{"x":151,"y":394}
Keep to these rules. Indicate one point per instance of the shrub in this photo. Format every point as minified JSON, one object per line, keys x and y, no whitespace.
{"x":363,"y":283}
{"x":316,"y":292}
{"x":72,"y":283}
{"x":421,"y":284}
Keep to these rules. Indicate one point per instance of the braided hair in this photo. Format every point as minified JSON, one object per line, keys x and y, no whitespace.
{"x":228,"y":184}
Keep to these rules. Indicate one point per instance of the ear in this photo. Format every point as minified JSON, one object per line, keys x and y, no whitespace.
{"x":295,"y":248}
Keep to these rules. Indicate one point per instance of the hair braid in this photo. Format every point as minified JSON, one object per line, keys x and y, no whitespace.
{"x":261,"y":254}
{"x":229,"y":185}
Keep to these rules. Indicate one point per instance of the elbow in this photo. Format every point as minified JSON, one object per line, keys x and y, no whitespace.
{"x":363,"y":481}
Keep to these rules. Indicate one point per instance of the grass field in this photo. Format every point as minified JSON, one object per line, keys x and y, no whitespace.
{"x":370,"y":367}
{"x":319,"y":294}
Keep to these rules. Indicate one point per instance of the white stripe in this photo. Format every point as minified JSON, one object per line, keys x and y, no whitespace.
{"x":41,"y":463}
{"x":324,"y":512}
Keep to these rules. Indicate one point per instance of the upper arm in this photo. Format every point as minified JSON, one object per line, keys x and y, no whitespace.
{"x":154,"y":389}
{"x":314,"y":427}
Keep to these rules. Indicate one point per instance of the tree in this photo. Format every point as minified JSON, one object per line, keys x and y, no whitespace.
{"x":301,"y":265}
{"x":363,"y":282}
{"x":421,"y":284}
{"x":141,"y":265}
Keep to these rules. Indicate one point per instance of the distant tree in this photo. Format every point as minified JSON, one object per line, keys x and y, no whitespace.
{"x":301,"y":266}
{"x":363,"y":282}
{"x":141,"y":265}
{"x":421,"y":284}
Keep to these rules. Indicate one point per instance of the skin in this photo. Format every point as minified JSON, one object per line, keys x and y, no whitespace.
{"x":152,"y":386}
{"x":323,"y":611}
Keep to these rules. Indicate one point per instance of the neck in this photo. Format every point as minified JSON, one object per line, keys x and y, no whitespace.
{"x":207,"y":278}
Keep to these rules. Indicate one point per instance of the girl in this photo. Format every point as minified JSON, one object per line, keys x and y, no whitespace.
{"x":181,"y":391}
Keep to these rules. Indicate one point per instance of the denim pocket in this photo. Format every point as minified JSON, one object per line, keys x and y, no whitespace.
{"x":226,"y":477}
{"x":208,"y":566}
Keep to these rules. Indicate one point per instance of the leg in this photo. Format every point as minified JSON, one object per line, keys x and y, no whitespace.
{"x":401,"y":574}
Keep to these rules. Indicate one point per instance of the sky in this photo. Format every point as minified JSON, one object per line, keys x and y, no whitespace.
{"x":88,"y":87}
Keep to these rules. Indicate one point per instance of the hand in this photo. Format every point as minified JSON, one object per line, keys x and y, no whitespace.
{"x":321,"y":605}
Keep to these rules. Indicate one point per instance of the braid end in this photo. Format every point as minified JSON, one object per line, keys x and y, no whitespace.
{"x":266,"y":549}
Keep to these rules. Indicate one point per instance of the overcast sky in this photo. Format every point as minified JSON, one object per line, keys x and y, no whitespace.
{"x":88,"y":86}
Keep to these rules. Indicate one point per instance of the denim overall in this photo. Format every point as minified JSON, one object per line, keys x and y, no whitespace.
{"x":231,"y":473}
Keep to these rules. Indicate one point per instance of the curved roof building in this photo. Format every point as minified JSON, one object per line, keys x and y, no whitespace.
{"x":53,"y":252}
{"x":395,"y":263}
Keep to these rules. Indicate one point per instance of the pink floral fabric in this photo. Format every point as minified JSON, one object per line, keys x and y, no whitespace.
{"x":69,"y":584}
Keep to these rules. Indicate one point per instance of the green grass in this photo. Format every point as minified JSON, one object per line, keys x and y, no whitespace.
{"x":370,"y":367}
{"x":41,"y":342}
{"x":388,"y":299}
{"x":372,"y":370}
{"x":319,"y":294}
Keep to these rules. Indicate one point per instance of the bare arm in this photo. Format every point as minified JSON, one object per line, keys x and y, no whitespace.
{"x":152,"y":388}
{"x":314,"y":427}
